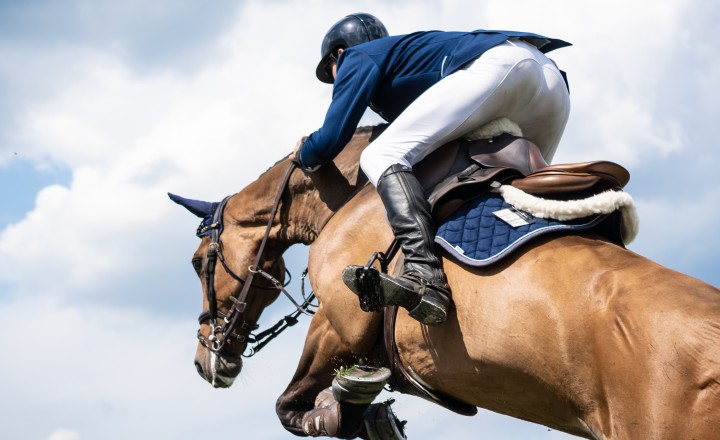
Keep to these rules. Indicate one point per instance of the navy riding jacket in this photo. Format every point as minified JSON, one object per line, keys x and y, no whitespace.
{"x":389,"y":73}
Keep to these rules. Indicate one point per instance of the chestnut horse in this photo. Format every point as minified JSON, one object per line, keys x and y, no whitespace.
{"x":572,"y":332}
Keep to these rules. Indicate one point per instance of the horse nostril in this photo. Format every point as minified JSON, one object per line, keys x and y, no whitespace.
{"x":198,"y":367}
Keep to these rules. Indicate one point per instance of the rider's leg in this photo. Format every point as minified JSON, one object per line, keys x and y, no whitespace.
{"x":514,"y":81}
{"x":421,"y":287}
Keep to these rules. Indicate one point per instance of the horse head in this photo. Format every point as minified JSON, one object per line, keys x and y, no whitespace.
{"x":239,"y":259}
{"x":228,"y":262}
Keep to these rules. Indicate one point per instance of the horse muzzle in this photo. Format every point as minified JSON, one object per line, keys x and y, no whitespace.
{"x":220,"y":371}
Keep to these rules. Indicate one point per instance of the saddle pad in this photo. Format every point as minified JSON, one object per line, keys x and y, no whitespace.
{"x":477,"y":236}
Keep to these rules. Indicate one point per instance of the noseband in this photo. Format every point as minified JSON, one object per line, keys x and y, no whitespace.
{"x":232,"y":325}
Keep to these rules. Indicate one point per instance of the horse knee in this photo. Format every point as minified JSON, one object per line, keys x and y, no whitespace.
{"x":290,"y":410}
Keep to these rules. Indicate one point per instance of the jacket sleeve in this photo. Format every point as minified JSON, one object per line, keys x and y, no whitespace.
{"x":357,"y":79}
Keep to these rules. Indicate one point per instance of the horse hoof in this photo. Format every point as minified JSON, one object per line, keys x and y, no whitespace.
{"x":322,"y":421}
{"x":359,"y":384}
{"x":325,"y":399}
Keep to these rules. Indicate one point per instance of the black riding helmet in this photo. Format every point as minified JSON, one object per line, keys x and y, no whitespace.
{"x":350,"y":31}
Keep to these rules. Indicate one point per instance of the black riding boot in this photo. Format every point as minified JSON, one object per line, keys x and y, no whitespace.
{"x":422,"y":287}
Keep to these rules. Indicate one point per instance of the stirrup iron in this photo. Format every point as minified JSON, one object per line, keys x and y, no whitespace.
{"x":359,"y":384}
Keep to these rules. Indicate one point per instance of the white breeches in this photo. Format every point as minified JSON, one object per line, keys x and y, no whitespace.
{"x":513,"y":80}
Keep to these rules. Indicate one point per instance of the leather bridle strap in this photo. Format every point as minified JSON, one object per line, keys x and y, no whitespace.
{"x":230,"y":321}
{"x":212,"y":257}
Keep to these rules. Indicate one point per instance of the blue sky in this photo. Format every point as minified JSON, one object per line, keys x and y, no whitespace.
{"x":105,"y":106}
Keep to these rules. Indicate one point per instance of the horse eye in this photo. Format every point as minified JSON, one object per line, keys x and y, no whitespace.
{"x":197,"y":264}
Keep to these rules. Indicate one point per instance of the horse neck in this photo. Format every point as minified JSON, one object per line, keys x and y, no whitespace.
{"x":309,"y":200}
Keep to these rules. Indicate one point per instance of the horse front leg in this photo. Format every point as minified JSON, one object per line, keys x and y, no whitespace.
{"x":301,"y":408}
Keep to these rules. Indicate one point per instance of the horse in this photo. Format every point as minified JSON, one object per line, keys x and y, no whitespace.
{"x":573,"y":332}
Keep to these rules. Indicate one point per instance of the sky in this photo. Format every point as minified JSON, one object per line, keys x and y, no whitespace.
{"x":105,"y":106}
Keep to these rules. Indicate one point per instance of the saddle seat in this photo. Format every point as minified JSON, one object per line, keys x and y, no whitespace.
{"x":563,"y":180}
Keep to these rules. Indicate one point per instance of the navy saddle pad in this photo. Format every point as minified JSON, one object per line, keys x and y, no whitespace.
{"x":484,"y":230}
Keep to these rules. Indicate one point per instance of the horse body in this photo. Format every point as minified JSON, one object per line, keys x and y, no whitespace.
{"x":571,"y":332}
{"x":574,"y":333}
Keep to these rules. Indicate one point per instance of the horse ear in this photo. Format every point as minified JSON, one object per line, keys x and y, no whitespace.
{"x":197,"y":207}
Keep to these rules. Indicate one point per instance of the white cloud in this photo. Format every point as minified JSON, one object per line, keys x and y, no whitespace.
{"x":614,"y":81}
{"x":128,"y":140}
{"x":129,"y":135}
{"x":678,"y":231}
{"x":618,"y":128}
{"x":115,"y":374}
{"x":64,"y":434}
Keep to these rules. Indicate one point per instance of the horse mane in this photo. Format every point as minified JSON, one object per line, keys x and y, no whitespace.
{"x":358,"y":131}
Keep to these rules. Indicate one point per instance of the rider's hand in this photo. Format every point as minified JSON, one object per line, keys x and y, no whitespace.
{"x":294,"y":155}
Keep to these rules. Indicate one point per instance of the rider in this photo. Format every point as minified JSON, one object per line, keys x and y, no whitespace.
{"x":433,"y":87}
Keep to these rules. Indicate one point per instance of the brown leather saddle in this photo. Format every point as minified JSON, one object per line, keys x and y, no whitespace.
{"x":461,"y":171}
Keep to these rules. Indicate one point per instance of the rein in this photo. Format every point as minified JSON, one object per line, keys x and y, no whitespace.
{"x":232,"y":325}
{"x":264,"y":337}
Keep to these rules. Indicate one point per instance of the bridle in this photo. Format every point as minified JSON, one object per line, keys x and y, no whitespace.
{"x":233,"y":325}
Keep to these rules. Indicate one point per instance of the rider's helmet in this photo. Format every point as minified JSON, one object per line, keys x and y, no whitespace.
{"x":350,"y":31}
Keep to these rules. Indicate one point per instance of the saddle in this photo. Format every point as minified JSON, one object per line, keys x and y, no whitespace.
{"x":463,"y":170}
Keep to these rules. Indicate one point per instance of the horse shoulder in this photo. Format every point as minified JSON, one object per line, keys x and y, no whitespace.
{"x":347,"y":239}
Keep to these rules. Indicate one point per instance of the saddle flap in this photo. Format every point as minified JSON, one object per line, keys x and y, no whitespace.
{"x":507,"y":151}
{"x":503,"y":158}
{"x":439,"y":164}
